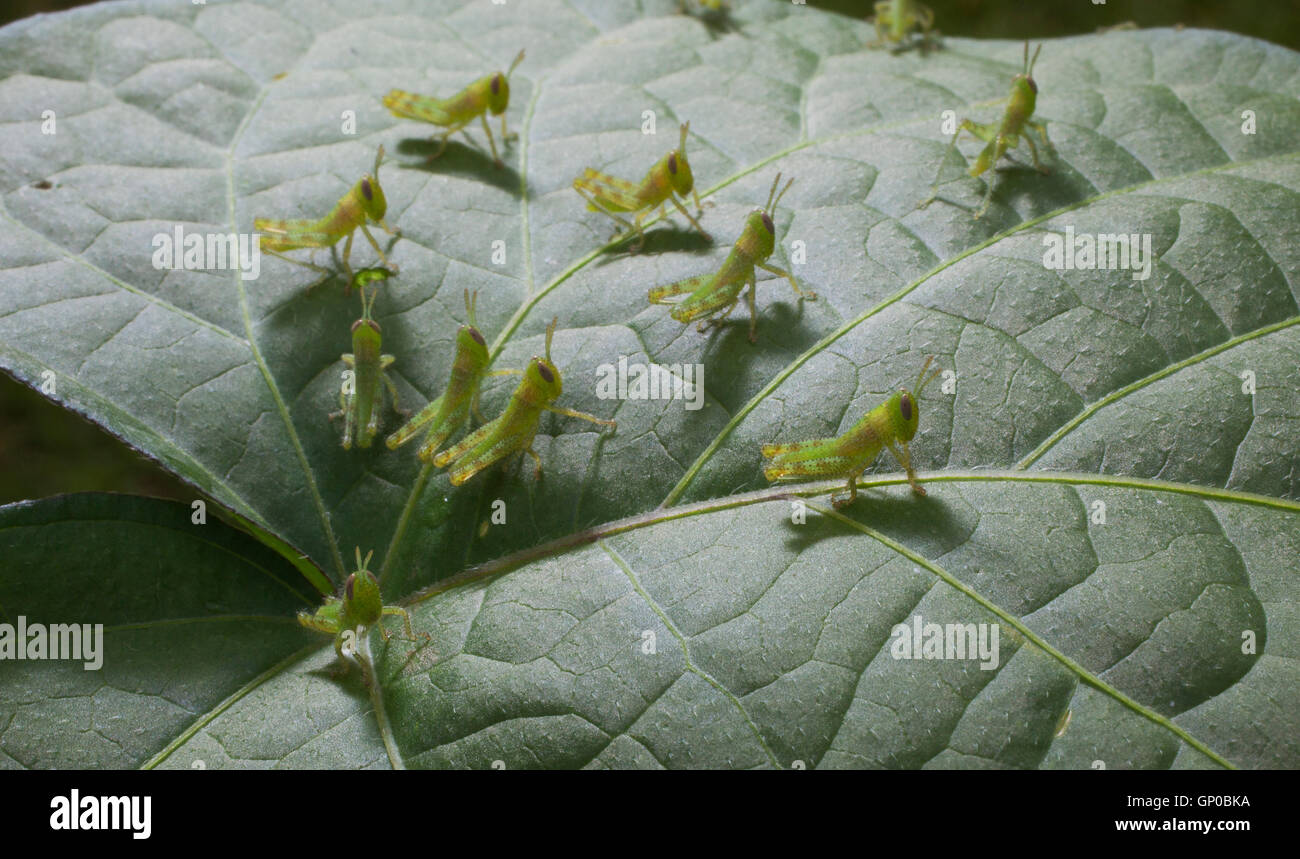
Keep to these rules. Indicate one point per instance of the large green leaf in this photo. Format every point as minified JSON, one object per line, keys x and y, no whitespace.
{"x":772,"y":638}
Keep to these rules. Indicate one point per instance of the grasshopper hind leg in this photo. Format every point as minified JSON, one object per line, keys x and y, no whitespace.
{"x":846,"y":500}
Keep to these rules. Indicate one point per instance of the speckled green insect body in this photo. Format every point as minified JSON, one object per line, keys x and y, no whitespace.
{"x":668,"y":179}
{"x":359,"y":607}
{"x":891,"y":424}
{"x":514,"y":430}
{"x":363,"y":204}
{"x":451,"y":409}
{"x":1004,"y":136}
{"x":896,"y":19}
{"x":713,"y":296}
{"x":488,"y":94}
{"x":361,"y":401}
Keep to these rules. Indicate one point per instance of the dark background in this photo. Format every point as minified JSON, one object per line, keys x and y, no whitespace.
{"x":45,"y":450}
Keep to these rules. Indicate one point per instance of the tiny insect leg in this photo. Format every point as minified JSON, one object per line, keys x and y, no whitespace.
{"x":537,"y":472}
{"x":688,"y":217}
{"x":904,"y":458}
{"x":392,"y":390}
{"x":560,"y":410}
{"x":934,"y":186}
{"x":753,"y":310}
{"x":328,"y":273}
{"x":808,"y":294}
{"x":410,"y":633}
{"x":1041,"y":128}
{"x":347,"y":265}
{"x":716,"y":321}
{"x":591,"y":201}
{"x":487,"y":129}
{"x":374,"y":244}
{"x":842,"y":501}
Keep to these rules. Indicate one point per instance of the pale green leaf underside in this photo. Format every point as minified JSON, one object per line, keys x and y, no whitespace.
{"x":171,"y":113}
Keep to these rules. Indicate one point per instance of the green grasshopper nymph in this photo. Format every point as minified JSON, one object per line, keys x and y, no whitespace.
{"x":895,"y":19}
{"x":452,"y":408}
{"x":667,"y":180}
{"x":893,"y":421}
{"x":360,"y":607}
{"x":1004,"y":136}
{"x":514,"y":430}
{"x":719,"y":292}
{"x":362,"y":401}
{"x":488,"y":94}
{"x":361,"y":205}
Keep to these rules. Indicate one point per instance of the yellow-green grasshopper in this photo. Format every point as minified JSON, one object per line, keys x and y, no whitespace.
{"x":892,"y":422}
{"x":360,"y":607}
{"x":719,"y":293}
{"x":1005,"y":135}
{"x":488,"y":94}
{"x":361,"y":398}
{"x":514,"y":430}
{"x":667,"y":180}
{"x":449,"y":410}
{"x":361,"y":205}
{"x":895,"y":19}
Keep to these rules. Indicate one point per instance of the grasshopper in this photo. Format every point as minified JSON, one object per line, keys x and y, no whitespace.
{"x":359,"y":206}
{"x":489,"y":94}
{"x":360,"y":607}
{"x":711,"y":294}
{"x":361,"y":398}
{"x":452,"y":408}
{"x":515,"y":429}
{"x":668,"y":179}
{"x":893,"y":421}
{"x":895,"y":19}
{"x":1004,"y":136}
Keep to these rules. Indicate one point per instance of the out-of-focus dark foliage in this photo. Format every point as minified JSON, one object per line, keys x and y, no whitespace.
{"x":45,"y":450}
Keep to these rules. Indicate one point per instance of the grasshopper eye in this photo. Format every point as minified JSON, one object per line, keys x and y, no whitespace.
{"x":496,"y":84}
{"x":672,"y":163}
{"x":478,"y":338}
{"x":905,"y":406}
{"x":365,"y":189}
{"x":1033,"y":87}
{"x":370,"y":323}
{"x":767,"y":222}
{"x":347,"y":589}
{"x":545,"y":372}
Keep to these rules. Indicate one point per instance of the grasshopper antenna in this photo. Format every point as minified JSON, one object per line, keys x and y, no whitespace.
{"x":921,"y":379}
{"x":550,"y":332}
{"x":772,"y":204}
{"x":471,"y":304}
{"x":1029,"y":64}
{"x":519,"y":58}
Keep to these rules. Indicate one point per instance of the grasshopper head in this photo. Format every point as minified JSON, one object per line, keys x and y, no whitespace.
{"x":759,"y":223}
{"x":1023,"y":85}
{"x":904,"y":410}
{"x":369,"y":192}
{"x":469,"y":339}
{"x":541,"y":374}
{"x":499,"y":88}
{"x":679,"y":169}
{"x":362,"y":603}
{"x":366,"y":333}
{"x":366,"y":337}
